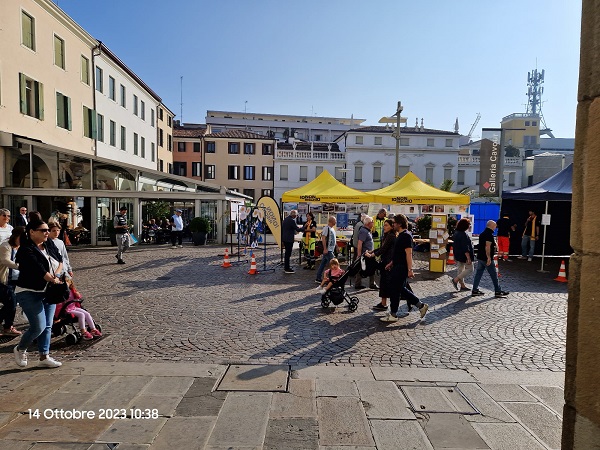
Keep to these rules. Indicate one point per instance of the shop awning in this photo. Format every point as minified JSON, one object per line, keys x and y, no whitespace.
{"x":326,"y":189}
{"x":411,"y":190}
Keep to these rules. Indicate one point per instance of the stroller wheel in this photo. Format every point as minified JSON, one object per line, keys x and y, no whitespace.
{"x":71,"y":339}
{"x":98,"y":327}
{"x":325,"y":302}
{"x":352,"y":307}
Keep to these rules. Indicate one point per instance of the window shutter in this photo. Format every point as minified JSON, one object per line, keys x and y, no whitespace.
{"x":22,"y":94}
{"x":39,"y":99}
{"x":94,"y":123}
{"x":60,"y":113}
{"x":68,"y":106}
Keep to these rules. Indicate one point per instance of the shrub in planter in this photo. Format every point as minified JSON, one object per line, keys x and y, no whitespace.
{"x":200,"y":227}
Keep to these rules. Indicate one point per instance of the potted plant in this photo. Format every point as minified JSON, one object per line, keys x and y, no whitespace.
{"x":200,"y":227}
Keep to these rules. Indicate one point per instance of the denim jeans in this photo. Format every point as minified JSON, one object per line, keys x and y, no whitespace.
{"x":40,"y":316}
{"x":325,"y":258}
{"x":481,"y":267}
{"x":527,"y":241}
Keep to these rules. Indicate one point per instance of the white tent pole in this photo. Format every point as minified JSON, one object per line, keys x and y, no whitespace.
{"x":544,"y":243}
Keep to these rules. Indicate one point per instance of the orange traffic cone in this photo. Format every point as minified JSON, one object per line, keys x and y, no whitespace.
{"x":496,"y":265}
{"x":562,"y":273}
{"x":253,"y":270}
{"x":226,"y":262}
{"x":450,"y":260}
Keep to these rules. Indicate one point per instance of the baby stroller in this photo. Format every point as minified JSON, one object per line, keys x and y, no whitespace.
{"x":64,"y":323}
{"x":337,"y":293}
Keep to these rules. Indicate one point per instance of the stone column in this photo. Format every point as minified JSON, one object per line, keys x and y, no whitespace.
{"x":581,"y":415}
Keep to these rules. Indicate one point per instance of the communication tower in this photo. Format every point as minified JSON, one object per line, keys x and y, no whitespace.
{"x":535,"y":80}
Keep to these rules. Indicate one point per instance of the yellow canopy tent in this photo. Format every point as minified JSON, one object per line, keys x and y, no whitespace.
{"x":326,"y":189}
{"x":411,"y":190}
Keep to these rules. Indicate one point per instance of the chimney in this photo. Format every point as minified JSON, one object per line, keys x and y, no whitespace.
{"x":421,"y":124}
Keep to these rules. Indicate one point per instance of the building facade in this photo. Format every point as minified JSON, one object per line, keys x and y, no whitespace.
{"x":164,"y":138}
{"x":188,"y":149}
{"x":50,"y":156}
{"x":430,"y":154}
{"x":281,"y":126}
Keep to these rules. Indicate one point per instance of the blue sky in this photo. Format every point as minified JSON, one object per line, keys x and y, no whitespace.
{"x":442,"y":59}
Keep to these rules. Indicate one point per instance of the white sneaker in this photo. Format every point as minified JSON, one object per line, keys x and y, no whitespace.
{"x":529,"y":259}
{"x":49,"y":362}
{"x":180,"y":246}
{"x":174,"y":246}
{"x":20,"y":356}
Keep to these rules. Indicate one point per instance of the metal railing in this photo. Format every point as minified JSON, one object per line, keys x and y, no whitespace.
{"x":474,"y":160}
{"x":307,"y":155}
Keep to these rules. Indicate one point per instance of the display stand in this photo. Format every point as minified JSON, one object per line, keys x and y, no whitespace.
{"x":438,"y":239}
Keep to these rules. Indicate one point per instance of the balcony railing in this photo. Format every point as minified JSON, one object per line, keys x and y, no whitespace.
{"x":474,"y":160}
{"x":307,"y":155}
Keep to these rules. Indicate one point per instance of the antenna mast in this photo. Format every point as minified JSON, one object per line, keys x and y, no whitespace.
{"x":181,"y":101}
{"x":535,"y":80}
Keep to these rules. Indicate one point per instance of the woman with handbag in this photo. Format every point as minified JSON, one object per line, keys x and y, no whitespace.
{"x":309,"y":229}
{"x":39,"y":261}
{"x":386,"y":252}
{"x":8,"y":279}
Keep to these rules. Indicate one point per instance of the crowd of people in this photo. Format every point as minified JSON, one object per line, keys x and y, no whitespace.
{"x":389,"y":242}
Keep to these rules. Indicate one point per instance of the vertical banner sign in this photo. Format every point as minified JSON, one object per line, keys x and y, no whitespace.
{"x":489,"y":166}
{"x":272,"y":216}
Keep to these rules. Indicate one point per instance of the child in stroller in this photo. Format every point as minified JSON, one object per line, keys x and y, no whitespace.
{"x":332,"y":287}
{"x":69,"y":312}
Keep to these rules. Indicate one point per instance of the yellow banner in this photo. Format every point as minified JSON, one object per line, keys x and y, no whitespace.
{"x":272,"y":216}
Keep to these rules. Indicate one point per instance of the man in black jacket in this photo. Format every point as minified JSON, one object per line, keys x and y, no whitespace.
{"x":289,"y":228}
{"x":21,"y":220}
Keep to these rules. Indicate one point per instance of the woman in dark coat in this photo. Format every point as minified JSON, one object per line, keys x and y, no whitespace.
{"x":39,"y":260}
{"x":385,"y":251}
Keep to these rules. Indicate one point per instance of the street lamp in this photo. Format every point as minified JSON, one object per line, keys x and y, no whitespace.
{"x":396,"y":135}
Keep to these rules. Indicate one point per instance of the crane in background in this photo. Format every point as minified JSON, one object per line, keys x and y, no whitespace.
{"x":473,"y":126}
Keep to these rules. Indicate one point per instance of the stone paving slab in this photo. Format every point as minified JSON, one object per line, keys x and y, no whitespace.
{"x":508,"y":393}
{"x":489,"y":409}
{"x":537,"y":378}
{"x":288,"y":433}
{"x":242,"y":422}
{"x":299,"y":402}
{"x":190,"y":433}
{"x":507,"y":436}
{"x":342,"y":421}
{"x":165,"y":405}
{"x":410,"y":374}
{"x":95,"y":368}
{"x":173,"y":385}
{"x":200,"y":400}
{"x":542,"y":422}
{"x":332,"y":373}
{"x":399,"y":434}
{"x":25,"y":395}
{"x":117,"y":393}
{"x":449,"y":431}
{"x":133,"y":431}
{"x":383,"y":400}
{"x":552,"y":397}
{"x":255,"y":378}
{"x":336,"y":388}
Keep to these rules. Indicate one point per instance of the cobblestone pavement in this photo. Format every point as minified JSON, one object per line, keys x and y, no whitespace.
{"x":180,"y":305}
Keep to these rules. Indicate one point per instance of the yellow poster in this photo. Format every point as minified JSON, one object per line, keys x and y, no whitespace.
{"x":272,"y":216}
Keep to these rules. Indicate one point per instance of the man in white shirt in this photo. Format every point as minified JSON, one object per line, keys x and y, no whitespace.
{"x":177,"y":229}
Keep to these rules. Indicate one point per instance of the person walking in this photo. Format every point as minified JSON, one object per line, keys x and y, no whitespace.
{"x":5,"y":227}
{"x":289,"y":228}
{"x":386,"y":252}
{"x":309,"y":240}
{"x":505,"y":227}
{"x":328,"y":240}
{"x":530,"y":236}
{"x":122,"y":233}
{"x":177,"y":229}
{"x":463,"y":254}
{"x":365,"y":244}
{"x":485,"y":261}
{"x":9,"y":274}
{"x":401,"y":268}
{"x":39,"y":260}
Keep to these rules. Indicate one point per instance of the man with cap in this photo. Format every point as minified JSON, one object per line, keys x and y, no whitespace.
{"x":122,"y":233}
{"x":177,"y":229}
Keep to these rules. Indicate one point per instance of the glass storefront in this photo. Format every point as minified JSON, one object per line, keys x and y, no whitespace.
{"x":106,"y":208}
{"x":18,"y":167}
